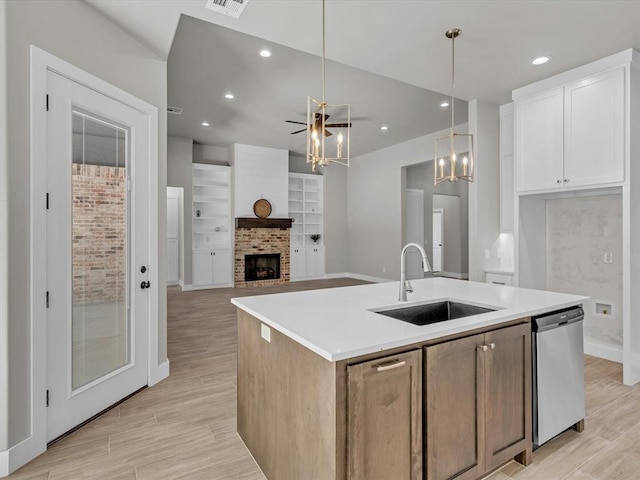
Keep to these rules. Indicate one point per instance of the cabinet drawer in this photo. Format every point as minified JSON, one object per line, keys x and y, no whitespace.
{"x":499,"y":279}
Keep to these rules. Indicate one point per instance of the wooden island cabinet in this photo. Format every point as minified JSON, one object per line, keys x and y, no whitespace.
{"x":454,"y":407}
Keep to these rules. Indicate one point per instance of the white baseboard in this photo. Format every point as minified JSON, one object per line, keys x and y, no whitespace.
{"x":171,"y":284}
{"x":159,"y":373}
{"x":368,"y":278}
{"x":19,"y":455}
{"x":603,"y":351}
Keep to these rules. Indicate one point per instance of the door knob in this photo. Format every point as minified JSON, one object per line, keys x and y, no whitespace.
{"x":146,"y":284}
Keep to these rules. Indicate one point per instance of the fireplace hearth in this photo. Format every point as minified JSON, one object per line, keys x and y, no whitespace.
{"x":261,"y":267}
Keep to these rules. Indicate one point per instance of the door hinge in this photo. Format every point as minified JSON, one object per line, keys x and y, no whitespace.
{"x":47,"y":298}
{"x":47,"y":102}
{"x":47,"y":200}
{"x":47,"y":398}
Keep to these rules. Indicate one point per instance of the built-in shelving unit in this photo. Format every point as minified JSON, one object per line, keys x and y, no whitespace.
{"x":212,"y":225}
{"x":306,"y":206}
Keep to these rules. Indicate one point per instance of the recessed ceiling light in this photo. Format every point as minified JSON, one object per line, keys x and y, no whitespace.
{"x":540,"y":60}
{"x":444,"y":104}
{"x":384,"y":128}
{"x":265,"y":53}
{"x":229,"y":96}
{"x":205,"y":124}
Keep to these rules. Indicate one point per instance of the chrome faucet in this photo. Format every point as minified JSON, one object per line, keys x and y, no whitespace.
{"x":405,"y":286}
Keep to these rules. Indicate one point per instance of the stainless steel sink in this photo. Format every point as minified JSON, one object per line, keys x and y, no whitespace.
{"x":428,"y":313}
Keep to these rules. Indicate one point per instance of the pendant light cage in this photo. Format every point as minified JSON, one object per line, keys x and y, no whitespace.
{"x":448,"y":163}
{"x":328,"y":125}
{"x":332,"y":146}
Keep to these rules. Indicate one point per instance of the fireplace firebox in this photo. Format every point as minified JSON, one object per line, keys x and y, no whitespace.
{"x":261,"y":267}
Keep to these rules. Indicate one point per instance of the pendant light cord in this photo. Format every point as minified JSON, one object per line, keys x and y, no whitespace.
{"x":453,"y":78}
{"x":323,"y":49}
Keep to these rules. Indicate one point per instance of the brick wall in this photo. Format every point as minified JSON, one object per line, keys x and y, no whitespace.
{"x":259,"y":241}
{"x":99,"y":234}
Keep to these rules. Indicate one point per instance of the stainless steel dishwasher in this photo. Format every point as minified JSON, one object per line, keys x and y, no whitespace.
{"x":558,"y":373}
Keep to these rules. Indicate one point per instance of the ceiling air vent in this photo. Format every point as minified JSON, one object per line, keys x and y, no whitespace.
{"x":174,"y":110}
{"x":233,"y":8}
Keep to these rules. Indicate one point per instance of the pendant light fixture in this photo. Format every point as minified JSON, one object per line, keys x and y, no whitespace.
{"x":448,"y":164}
{"x":328,"y":126}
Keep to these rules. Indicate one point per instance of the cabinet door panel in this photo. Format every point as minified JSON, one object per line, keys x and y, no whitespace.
{"x":222,"y":267}
{"x":539,"y":141}
{"x":454,"y":413}
{"x":385,"y":418}
{"x":315,"y":261}
{"x":594,"y":134}
{"x":297,"y":263}
{"x":508,"y":393}
{"x":202,"y":267}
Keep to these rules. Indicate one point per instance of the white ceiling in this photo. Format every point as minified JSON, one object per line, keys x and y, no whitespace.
{"x":401,"y":40}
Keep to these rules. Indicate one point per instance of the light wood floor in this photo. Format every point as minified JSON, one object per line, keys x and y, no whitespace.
{"x":184,"y":427}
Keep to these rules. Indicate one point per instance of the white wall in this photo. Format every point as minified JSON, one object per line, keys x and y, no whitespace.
{"x":375,"y":191}
{"x":4,"y":237}
{"x":484,"y":192}
{"x":210,"y":154}
{"x":77,"y":34}
{"x":179,"y":174}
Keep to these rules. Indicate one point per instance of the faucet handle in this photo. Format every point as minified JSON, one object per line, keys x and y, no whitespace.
{"x":409,"y":287}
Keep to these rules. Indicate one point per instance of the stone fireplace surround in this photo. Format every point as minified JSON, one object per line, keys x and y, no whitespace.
{"x":257,"y":236}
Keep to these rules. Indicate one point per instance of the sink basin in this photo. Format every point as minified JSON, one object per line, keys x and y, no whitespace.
{"x":434,"y":312}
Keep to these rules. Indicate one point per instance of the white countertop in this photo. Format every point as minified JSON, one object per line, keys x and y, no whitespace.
{"x":337,"y":324}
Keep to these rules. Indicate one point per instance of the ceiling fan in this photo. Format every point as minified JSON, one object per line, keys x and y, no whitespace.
{"x":317,"y":124}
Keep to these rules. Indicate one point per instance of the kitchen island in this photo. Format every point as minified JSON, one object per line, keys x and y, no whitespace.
{"x":330,"y":389}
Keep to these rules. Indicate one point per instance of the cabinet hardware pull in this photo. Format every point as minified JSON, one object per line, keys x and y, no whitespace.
{"x":499,"y":283}
{"x":558,"y":181}
{"x":390,"y":366}
{"x":566,"y":179}
{"x":484,"y":348}
{"x":493,"y":346}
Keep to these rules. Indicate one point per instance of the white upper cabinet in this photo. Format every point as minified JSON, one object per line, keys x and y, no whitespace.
{"x":572,"y":136}
{"x":539,"y":141}
{"x":594,"y":130}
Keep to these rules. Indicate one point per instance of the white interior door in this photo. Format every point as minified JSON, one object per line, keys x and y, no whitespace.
{"x":97,"y":252}
{"x":414,"y":224}
{"x":438,"y":232}
{"x":173,"y":234}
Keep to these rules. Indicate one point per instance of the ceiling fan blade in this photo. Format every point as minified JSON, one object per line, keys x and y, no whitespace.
{"x":327,"y":133}
{"x":292,"y":121}
{"x":337,"y":125}
{"x":318,"y":117}
{"x":303,"y":130}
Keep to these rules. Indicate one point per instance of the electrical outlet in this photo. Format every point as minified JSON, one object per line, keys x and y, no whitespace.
{"x":608,"y":257}
{"x":487,"y":253}
{"x":265,"y":332}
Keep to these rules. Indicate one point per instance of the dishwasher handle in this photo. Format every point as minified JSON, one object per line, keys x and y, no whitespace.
{"x":551,"y":320}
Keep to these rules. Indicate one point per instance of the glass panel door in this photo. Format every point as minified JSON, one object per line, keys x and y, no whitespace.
{"x":100,"y":253}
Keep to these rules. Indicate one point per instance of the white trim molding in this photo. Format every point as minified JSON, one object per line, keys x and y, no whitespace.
{"x":357,"y":276}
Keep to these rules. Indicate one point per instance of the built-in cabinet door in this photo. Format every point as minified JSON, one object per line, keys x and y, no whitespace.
{"x":297,"y":263}
{"x":539,"y":141}
{"x":594,"y":130}
{"x":202,"y":267}
{"x":507,"y":169}
{"x":507,"y":393}
{"x":454,"y":409}
{"x":315,"y":261}
{"x":385,"y":418}
{"x":221,"y":267}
